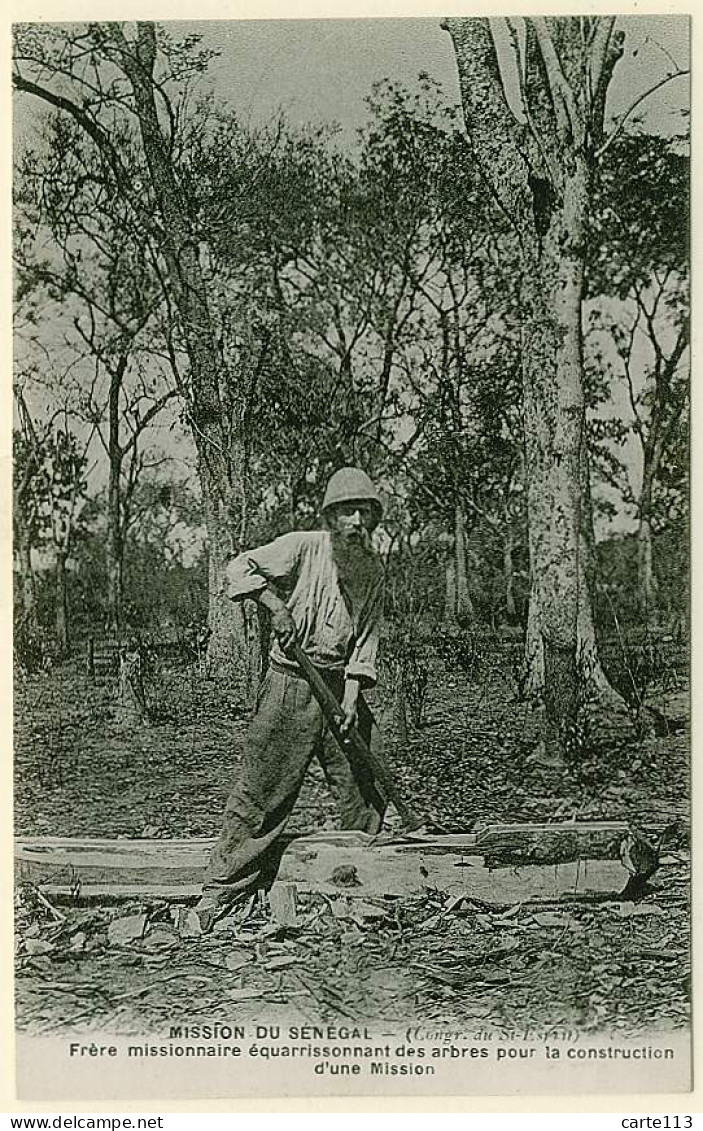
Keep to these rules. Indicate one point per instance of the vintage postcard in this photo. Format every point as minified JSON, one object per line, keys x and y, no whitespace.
{"x":351,"y":557}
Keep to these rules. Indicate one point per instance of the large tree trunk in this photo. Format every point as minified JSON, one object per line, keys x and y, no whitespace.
{"x":551,"y":294}
{"x":544,"y":186}
{"x":590,"y":670}
{"x":115,"y":583}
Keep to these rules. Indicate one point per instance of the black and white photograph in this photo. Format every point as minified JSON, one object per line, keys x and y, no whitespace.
{"x":351,"y":554}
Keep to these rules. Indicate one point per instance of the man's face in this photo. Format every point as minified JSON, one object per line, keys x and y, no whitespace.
{"x":354,"y":520}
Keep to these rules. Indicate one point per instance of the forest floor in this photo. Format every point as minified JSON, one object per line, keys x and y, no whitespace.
{"x":583,"y":966}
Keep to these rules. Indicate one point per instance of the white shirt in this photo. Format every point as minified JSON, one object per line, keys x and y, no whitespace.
{"x":338,"y":630}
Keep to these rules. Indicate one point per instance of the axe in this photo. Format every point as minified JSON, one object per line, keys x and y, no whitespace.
{"x":351,"y":743}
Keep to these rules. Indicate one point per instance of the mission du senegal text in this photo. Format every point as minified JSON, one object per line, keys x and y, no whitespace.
{"x":224,"y":1032}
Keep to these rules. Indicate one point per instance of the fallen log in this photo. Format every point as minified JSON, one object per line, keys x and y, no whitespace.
{"x":551,"y":843}
{"x":91,"y":869}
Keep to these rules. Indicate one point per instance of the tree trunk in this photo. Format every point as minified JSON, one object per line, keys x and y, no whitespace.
{"x":551,"y":294}
{"x":534,"y":652}
{"x":646,"y":582}
{"x":596,"y":680}
{"x":450,"y":593}
{"x":399,"y":712}
{"x":115,"y":583}
{"x":665,"y":411}
{"x":591,"y":673}
{"x":464,"y":607}
{"x":539,"y":172}
{"x":509,"y":570}
{"x":214,"y":433}
{"x":113,"y":544}
{"x":131,"y":702}
{"x":61,"y":603}
{"x":234,"y":649}
{"x":23,"y":548}
{"x":561,"y":638}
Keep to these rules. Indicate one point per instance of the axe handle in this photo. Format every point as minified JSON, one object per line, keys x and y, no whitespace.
{"x":351,"y":743}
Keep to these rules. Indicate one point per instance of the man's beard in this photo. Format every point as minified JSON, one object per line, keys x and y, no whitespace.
{"x":355,"y":562}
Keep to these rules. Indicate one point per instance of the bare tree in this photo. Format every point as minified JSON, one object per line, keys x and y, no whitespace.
{"x":28,"y":457}
{"x":638,"y":286}
{"x":538,"y":163}
{"x":50,"y":486}
{"x":113,"y":82}
{"x":78,"y":256}
{"x":658,"y":410}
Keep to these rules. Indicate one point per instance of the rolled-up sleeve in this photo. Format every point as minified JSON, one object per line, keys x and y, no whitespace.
{"x":249,"y":573}
{"x":362,"y":663}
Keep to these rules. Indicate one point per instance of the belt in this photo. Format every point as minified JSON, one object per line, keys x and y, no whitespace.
{"x":295,"y":673}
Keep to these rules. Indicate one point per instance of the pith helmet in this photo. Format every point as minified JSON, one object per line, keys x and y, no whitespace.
{"x":351,"y":484}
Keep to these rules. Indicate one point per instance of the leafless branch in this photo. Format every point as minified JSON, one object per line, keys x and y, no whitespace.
{"x":97,"y":134}
{"x":620,"y":122}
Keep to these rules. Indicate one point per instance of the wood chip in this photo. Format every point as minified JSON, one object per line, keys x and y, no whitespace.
{"x":58,"y":916}
{"x":126,"y":929}
{"x":454,"y":903}
{"x":38,"y":946}
{"x":186,"y":922}
{"x":282,"y":962}
{"x":363,"y":910}
{"x":341,"y":907}
{"x":237,"y":961}
{"x":551,"y":919}
{"x":628,"y":910}
{"x":283,"y":900}
{"x":159,"y":938}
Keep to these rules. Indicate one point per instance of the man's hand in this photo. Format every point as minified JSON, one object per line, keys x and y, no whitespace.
{"x":282,"y":622}
{"x":349,"y":701}
{"x":283,"y":625}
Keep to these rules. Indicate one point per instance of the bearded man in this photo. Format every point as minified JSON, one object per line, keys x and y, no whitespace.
{"x":323,"y":588}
